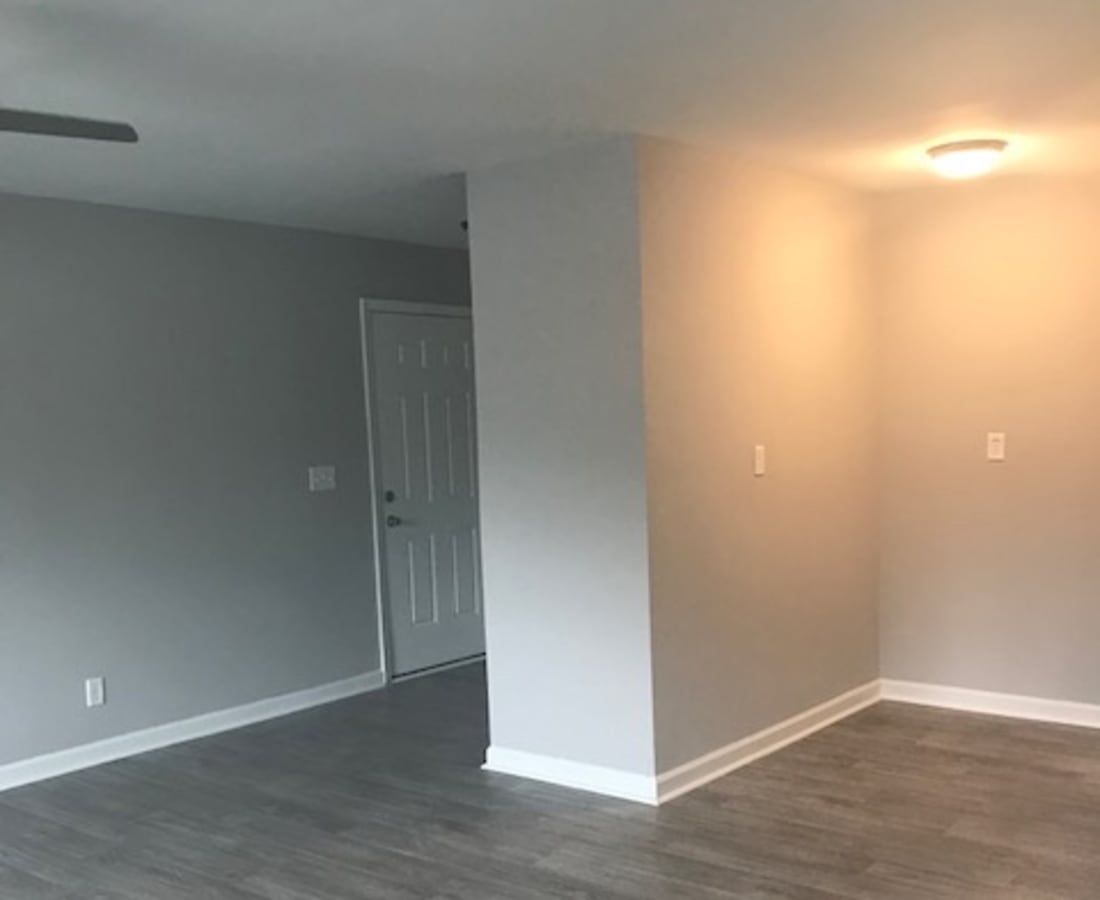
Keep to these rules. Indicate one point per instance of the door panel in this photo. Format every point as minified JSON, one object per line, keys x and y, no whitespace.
{"x":427,"y":435}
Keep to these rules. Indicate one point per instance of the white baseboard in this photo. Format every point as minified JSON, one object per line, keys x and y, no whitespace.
{"x":676,"y":782}
{"x":1016,"y":706}
{"x":655,"y":790}
{"x":39,"y":768}
{"x":566,"y":773}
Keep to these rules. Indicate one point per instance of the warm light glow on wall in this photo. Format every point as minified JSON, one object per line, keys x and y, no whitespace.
{"x":967,"y":159}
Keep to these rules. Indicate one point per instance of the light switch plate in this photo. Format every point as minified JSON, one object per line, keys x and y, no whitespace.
{"x":95,"y":692}
{"x":322,"y":478}
{"x":759,"y":460}
{"x":996,"y":446}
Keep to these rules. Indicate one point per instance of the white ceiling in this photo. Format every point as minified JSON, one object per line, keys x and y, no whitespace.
{"x":347,"y":115}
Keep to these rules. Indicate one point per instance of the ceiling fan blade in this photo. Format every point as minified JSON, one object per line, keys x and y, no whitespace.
{"x":27,"y":122}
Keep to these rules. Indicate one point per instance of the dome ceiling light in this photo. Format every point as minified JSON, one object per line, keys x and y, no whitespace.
{"x":967,"y":159}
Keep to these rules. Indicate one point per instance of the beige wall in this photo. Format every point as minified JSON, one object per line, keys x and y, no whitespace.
{"x":991,"y":572}
{"x":758,"y":328}
{"x":648,"y":313}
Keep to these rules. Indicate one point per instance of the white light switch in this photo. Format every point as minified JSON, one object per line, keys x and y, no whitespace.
{"x":759,"y":460}
{"x":322,"y":478}
{"x":95,"y":692}
{"x":995,"y":446}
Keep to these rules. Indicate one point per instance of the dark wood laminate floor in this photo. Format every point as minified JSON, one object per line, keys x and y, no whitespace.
{"x":381,"y":797}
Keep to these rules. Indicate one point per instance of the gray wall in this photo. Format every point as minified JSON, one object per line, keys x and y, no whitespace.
{"x":164,"y":383}
{"x":759,"y":329}
{"x":557,"y":316}
{"x":991,"y":572}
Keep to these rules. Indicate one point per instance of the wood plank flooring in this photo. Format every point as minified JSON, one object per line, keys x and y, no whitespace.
{"x":381,"y":797}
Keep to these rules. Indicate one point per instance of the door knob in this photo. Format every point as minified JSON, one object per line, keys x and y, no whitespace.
{"x":393,"y":521}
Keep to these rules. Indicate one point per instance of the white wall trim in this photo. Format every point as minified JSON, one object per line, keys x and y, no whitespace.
{"x":682,"y":779}
{"x":39,"y":768}
{"x":1016,"y":706}
{"x":581,"y":776}
{"x":566,"y":773}
{"x":374,"y":454}
{"x":655,"y":790}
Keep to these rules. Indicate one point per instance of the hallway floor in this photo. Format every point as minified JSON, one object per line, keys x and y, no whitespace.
{"x":382,"y":797}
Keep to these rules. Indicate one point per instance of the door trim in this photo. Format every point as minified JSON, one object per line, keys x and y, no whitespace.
{"x":413,"y":308}
{"x":367,"y":308}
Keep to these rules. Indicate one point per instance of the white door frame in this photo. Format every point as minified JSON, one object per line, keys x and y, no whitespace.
{"x":367,"y":307}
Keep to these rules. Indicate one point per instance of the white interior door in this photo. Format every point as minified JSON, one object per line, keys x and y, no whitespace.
{"x":424,"y":418}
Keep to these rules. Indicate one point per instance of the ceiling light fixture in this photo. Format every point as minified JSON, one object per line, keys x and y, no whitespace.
{"x":967,"y":159}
